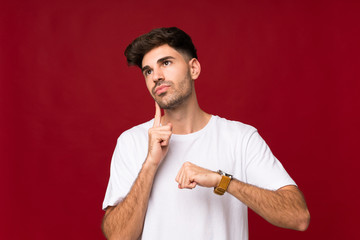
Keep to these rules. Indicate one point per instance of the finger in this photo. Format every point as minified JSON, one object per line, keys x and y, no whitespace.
{"x":163,"y":137}
{"x":178,"y":176}
{"x":183,"y":179}
{"x":157,"y":118}
{"x":164,"y":143}
{"x":160,"y":130}
{"x":192,"y":185}
{"x":177,"y":179}
{"x":188,"y":184}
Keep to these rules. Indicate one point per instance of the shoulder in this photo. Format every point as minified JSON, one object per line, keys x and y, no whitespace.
{"x":233,"y":127}
{"x":136,"y":132}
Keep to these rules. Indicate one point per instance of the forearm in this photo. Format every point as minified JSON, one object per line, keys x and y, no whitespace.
{"x":125,"y":221}
{"x":285,"y":207}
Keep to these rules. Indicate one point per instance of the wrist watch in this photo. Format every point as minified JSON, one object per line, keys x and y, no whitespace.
{"x":224,"y":183}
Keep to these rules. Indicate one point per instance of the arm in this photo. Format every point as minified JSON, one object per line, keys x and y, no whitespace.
{"x":125,"y":221}
{"x":284,"y":207}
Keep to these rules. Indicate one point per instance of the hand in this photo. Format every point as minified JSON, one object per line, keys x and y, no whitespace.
{"x":191,"y":175}
{"x":159,"y":138}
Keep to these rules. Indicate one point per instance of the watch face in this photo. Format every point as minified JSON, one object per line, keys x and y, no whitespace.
{"x":224,"y":174}
{"x":228,"y":175}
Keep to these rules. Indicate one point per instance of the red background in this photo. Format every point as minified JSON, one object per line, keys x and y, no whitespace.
{"x":289,"y":68}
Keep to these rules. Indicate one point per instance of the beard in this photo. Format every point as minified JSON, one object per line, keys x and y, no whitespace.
{"x":173,"y":99}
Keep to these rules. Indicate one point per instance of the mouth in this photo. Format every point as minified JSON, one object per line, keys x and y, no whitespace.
{"x":161,"y":89}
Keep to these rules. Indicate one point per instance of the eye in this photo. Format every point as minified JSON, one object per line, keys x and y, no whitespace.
{"x":166,"y":63}
{"x":148,"y":72}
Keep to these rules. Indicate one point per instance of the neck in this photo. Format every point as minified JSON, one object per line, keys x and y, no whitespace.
{"x":187,"y":118}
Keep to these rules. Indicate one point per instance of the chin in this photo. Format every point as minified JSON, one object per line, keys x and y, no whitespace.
{"x":170,"y":105}
{"x":165,"y":106}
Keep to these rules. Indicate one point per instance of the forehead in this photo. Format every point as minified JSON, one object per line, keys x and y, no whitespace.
{"x":159,"y":52}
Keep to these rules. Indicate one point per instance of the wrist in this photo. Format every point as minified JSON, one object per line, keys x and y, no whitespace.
{"x":217,"y":181}
{"x":150,"y":164}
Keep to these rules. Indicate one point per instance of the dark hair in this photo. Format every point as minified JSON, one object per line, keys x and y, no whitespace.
{"x":173,"y":36}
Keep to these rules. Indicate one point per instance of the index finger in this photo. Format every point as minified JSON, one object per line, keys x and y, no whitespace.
{"x":157,"y":118}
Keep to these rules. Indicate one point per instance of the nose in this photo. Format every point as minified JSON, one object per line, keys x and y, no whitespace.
{"x":158,"y":75}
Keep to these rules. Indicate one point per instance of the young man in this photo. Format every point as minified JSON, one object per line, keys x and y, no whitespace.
{"x":156,"y":163}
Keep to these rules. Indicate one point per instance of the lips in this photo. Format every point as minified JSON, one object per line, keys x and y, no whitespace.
{"x":161,"y":89}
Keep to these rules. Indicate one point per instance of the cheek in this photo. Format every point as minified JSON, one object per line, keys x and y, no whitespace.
{"x":176,"y":75}
{"x":180,"y":72}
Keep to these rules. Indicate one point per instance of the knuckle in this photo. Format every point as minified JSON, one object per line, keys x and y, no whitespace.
{"x":187,"y":164}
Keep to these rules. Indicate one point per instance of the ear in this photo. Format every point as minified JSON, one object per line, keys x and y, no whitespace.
{"x":195,"y":68}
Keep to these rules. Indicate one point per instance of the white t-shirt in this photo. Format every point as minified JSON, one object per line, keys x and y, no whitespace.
{"x":174,"y":213}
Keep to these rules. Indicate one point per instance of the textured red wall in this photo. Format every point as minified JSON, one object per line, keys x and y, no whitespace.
{"x":289,"y":68}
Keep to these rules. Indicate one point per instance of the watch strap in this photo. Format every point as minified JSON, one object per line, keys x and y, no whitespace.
{"x":224,"y":183}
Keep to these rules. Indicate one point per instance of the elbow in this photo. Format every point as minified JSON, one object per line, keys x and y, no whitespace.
{"x":104,"y":229}
{"x":304,"y":221}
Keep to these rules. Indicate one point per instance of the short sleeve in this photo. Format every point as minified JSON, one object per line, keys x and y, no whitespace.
{"x":123,"y":171}
{"x":263,"y":169}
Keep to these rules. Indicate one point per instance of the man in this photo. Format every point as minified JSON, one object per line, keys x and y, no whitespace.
{"x":156,"y":163}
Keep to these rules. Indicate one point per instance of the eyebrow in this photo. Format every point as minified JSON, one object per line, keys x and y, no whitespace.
{"x":158,"y":61}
